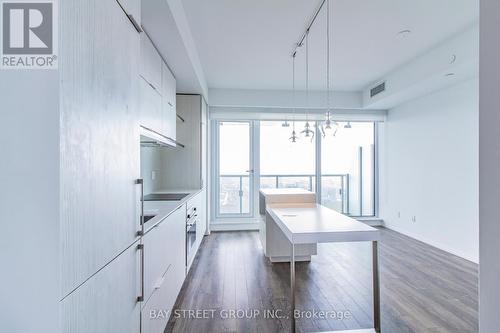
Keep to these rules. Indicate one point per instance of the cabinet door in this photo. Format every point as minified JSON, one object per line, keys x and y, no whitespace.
{"x":201,"y":226}
{"x":169,"y":101}
{"x":132,"y":8}
{"x":151,"y":63}
{"x":99,"y":137}
{"x":107,"y":302}
{"x":164,"y":248}
{"x":151,"y":107}
{"x":204,"y":143}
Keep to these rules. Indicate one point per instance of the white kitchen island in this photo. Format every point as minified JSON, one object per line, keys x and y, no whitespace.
{"x":274,"y":243}
{"x":306,"y":223}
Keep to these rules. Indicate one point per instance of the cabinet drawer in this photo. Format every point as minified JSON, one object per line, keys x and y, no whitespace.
{"x":164,"y":248}
{"x":156,"y":312}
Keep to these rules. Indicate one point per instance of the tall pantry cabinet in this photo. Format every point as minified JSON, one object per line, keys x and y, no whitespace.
{"x":99,"y":139}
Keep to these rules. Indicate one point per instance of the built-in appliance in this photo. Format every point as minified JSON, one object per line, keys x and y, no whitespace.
{"x":191,"y":220}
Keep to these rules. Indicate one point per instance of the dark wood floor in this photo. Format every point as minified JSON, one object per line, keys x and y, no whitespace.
{"x":423,"y":289}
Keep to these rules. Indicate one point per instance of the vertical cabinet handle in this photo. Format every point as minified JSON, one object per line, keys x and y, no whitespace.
{"x":141,"y":183}
{"x":140,"y":298}
{"x":134,"y":23}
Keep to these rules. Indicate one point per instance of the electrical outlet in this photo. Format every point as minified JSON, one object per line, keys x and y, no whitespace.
{"x":399,"y":215}
{"x":414,"y":219}
{"x":153,"y":175}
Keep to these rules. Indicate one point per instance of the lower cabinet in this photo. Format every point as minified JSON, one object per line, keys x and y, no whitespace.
{"x":164,"y":270}
{"x":156,"y":312}
{"x":164,"y":250}
{"x":107,"y":302}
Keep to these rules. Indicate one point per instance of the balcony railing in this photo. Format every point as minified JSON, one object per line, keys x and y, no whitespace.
{"x":235,"y":199}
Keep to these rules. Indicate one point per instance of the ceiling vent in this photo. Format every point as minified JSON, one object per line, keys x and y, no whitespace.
{"x":377,"y":90}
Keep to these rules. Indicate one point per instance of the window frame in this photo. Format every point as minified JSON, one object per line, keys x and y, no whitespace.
{"x":254,"y":182}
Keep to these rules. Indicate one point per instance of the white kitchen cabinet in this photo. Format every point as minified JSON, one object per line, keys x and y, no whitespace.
{"x":157,"y":310}
{"x":204,"y":143}
{"x":107,"y":302}
{"x":164,"y":252}
{"x":151,"y":63}
{"x":169,"y":117}
{"x":151,"y":112}
{"x":99,"y":137}
{"x":185,"y":165}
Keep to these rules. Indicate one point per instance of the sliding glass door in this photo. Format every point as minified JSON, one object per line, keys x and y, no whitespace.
{"x":234,"y":181}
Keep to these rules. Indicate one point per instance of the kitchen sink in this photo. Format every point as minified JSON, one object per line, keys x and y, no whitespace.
{"x":165,"y":196}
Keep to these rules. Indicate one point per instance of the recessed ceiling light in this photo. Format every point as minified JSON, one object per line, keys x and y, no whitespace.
{"x":405,"y":32}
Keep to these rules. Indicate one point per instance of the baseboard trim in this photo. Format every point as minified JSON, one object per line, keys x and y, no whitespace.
{"x":431,"y":243}
{"x":234,"y":226}
{"x":372,"y":221}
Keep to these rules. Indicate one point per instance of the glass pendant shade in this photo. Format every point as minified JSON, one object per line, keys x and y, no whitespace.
{"x":308,"y":132}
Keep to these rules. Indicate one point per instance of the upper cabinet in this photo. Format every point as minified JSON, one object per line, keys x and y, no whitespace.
{"x":151,"y":113}
{"x":151,"y":63}
{"x":187,"y":166}
{"x":158,"y":90}
{"x":169,"y":101}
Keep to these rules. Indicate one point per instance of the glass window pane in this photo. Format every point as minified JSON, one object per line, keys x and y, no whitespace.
{"x":283,"y":163}
{"x":234,"y":163}
{"x":347,"y":166}
{"x":229,"y":195}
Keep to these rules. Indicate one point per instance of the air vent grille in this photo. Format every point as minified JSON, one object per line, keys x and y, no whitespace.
{"x":377,"y":90}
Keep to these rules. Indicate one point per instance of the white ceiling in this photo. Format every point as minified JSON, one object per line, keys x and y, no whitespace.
{"x":246,"y":44}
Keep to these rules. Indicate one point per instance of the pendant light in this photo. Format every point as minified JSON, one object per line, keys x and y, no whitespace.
{"x":307,"y":132}
{"x":294,"y":136}
{"x":329,"y":125}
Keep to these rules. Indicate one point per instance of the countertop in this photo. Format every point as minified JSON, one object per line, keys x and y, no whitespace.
{"x":162,"y":209}
{"x":313,"y":223}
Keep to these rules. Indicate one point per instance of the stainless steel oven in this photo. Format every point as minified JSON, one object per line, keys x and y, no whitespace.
{"x":191,"y":220}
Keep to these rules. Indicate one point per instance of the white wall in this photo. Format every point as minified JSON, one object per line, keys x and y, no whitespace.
{"x":429,"y":169}
{"x":29,"y":201}
{"x":489,"y":167}
{"x":151,"y":160}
